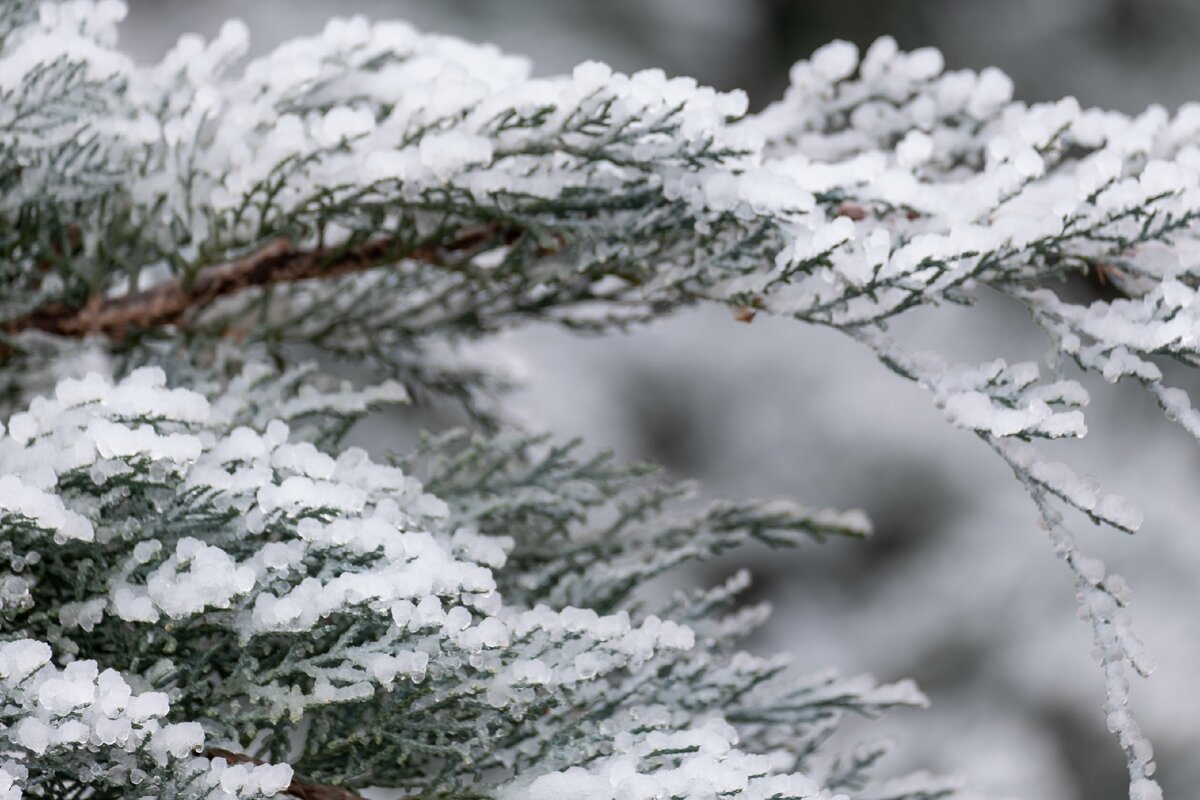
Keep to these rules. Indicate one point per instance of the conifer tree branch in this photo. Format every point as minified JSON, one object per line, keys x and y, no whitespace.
{"x":483,"y":625}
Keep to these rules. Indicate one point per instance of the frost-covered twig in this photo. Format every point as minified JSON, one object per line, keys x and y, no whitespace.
{"x":1102,"y":596}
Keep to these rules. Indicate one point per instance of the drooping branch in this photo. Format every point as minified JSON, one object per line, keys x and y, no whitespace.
{"x":297,"y":788}
{"x":276,"y":263}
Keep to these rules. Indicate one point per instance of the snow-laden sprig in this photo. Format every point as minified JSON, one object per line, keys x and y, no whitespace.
{"x":391,"y":146}
{"x":300,"y":605}
{"x":874,"y":186}
{"x":1125,"y":337}
{"x":1103,"y":597}
{"x":238,"y":520}
{"x":384,"y":132}
{"x":80,"y":726}
{"x":590,"y":532}
{"x":594,"y":532}
{"x":696,"y":763}
{"x":63,"y":145}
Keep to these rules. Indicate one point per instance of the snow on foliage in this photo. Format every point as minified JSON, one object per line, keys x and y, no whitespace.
{"x":340,"y":591}
{"x":82,"y":726}
{"x":378,"y":193}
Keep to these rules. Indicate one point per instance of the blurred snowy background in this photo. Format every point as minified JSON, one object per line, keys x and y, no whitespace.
{"x":958,"y":589}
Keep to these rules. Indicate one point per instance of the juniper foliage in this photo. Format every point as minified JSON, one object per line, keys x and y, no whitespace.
{"x":205,"y":594}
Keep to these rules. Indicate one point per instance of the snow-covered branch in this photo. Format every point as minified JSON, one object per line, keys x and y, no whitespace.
{"x":375,"y":193}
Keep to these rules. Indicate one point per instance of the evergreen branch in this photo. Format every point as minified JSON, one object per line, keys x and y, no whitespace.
{"x":484,"y":634}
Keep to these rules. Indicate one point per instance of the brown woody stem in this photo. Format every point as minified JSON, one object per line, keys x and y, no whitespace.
{"x":276,"y":263}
